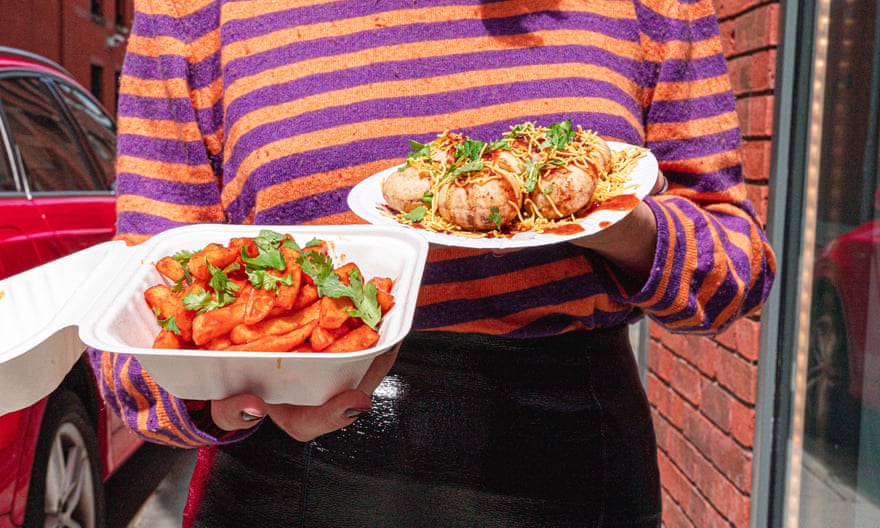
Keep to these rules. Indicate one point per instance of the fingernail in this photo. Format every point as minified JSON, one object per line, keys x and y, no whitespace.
{"x":354,"y":413}
{"x":249,"y":415}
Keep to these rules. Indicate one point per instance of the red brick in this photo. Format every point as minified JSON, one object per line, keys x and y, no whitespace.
{"x":702,"y":352}
{"x":743,"y":335}
{"x":756,"y":160}
{"x":698,"y":430}
{"x":742,"y":423}
{"x":673,"y":517}
{"x":759,"y":195}
{"x":755,"y":115}
{"x":683,"y":455}
{"x":732,"y":460}
{"x":678,"y":409}
{"x":716,"y":405}
{"x":686,"y":380}
{"x":730,"y":8}
{"x":739,"y":376}
{"x":756,"y":29}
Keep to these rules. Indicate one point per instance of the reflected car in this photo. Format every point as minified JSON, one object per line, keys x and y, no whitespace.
{"x":57,"y":153}
{"x":843,"y":370}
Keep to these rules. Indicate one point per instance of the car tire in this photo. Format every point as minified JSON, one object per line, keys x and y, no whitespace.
{"x":66,"y":487}
{"x":831,"y":413}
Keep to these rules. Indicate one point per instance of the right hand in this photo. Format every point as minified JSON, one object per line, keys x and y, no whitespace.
{"x":305,"y":422}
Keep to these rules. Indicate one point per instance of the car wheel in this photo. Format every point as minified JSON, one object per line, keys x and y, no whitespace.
{"x":66,"y":489}
{"x":831,"y":413}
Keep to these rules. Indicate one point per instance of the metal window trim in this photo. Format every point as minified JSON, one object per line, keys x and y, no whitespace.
{"x":785,"y":225}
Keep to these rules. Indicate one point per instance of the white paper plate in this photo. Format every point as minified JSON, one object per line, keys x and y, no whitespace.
{"x":366,"y":200}
{"x":108,"y":312}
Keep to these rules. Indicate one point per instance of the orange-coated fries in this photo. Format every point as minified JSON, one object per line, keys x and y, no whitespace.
{"x":266,"y":294}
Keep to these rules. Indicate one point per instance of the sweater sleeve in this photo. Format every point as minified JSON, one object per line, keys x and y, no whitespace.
{"x":713,"y":263}
{"x":167,"y":175}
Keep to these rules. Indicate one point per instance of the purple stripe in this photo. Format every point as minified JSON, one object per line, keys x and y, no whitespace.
{"x":159,"y":108}
{"x":500,"y":306}
{"x":200,"y":74}
{"x":488,"y":265}
{"x":168,"y":191}
{"x":446,"y":65}
{"x":144,"y":224}
{"x":695,"y":69}
{"x":333,"y":45}
{"x":199,"y":24}
{"x":164,"y":150}
{"x":415,"y":106}
{"x":664,"y":29}
{"x":695,"y":147}
{"x":696,"y":108}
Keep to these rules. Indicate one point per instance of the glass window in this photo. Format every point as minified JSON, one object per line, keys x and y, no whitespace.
{"x":99,"y":128}
{"x":52,"y":157}
{"x":7,"y":183}
{"x":834,"y":463}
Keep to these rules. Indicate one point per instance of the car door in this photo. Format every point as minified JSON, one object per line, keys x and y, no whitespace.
{"x":65,"y":185}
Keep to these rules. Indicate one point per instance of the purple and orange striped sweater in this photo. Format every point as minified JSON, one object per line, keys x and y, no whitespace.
{"x":269,"y":112}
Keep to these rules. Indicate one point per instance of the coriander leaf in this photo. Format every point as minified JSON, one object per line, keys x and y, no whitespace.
{"x":363,"y":295}
{"x":222,"y":286}
{"x":419,"y":150}
{"x":268,"y":257}
{"x":559,"y":135}
{"x":417,"y":214}
{"x":469,"y":149}
{"x":531,"y":176}
{"x":262,"y":279}
{"x":495,"y":217}
{"x":200,"y":301}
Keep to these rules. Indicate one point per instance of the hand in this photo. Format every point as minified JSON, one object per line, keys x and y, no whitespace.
{"x":305,"y":422}
{"x":629,"y":244}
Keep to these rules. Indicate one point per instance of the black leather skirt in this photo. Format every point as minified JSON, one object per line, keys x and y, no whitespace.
{"x":465,"y":431}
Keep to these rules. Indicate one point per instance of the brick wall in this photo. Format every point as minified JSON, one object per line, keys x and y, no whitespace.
{"x":703,"y":389}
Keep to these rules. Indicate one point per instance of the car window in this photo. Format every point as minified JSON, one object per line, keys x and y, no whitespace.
{"x":6,"y":182}
{"x":52,"y":157}
{"x":97,"y":125}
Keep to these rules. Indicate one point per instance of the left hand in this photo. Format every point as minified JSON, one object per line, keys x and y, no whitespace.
{"x":629,"y":244}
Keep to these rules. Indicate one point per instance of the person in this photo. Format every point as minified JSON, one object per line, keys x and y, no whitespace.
{"x":516,"y":399}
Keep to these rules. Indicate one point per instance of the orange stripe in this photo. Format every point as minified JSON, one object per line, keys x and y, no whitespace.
{"x":143,"y":405}
{"x":171,"y":8}
{"x":682,"y":91}
{"x":526,"y":279}
{"x":175,"y":172}
{"x":685,"y":11}
{"x":194,"y":52}
{"x":160,"y":129}
{"x":424,"y":87}
{"x":693,"y":128}
{"x":179,"y":213}
{"x":579,"y":307}
{"x":246,"y":10}
{"x":405,"y":126}
{"x":421,"y":51}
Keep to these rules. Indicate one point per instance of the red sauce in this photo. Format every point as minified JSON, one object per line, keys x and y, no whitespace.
{"x":623,"y":202}
{"x":564,"y":229}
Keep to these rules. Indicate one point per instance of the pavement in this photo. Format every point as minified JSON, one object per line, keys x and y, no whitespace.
{"x":150,"y":490}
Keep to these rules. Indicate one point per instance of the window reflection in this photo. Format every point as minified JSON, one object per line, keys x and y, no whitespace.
{"x":839,"y":473}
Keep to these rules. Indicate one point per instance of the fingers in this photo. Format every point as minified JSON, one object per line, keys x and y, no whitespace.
{"x":378,"y":369}
{"x":660,"y":185}
{"x":238,"y":412}
{"x":305,"y":423}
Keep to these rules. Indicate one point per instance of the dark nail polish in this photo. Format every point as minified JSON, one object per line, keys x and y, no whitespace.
{"x":354,"y":413}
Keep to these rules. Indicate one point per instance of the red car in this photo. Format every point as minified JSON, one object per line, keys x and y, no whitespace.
{"x":844,"y":356}
{"x":57,"y":151}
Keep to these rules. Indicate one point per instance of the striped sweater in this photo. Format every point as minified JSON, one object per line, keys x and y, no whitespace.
{"x":268,"y":112}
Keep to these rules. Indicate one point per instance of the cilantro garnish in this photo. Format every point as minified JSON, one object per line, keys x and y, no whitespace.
{"x":559,"y":135}
{"x":495,"y":217}
{"x":363,"y":295}
{"x":417,"y":214}
{"x":169,"y":323}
